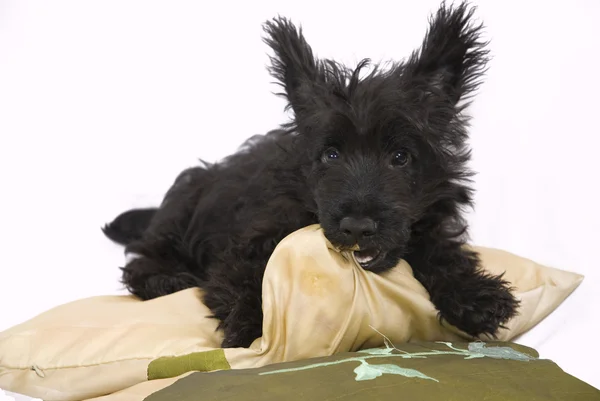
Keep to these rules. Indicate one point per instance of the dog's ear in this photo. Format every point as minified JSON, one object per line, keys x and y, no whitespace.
{"x":293,"y":64}
{"x":452,"y":59}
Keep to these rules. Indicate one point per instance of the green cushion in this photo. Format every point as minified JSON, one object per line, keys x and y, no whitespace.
{"x":415,"y":371}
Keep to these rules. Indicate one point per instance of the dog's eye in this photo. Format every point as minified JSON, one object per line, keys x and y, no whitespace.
{"x":400,"y":158}
{"x":330,"y":154}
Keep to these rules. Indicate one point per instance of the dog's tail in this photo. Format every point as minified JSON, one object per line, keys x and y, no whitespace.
{"x":129,"y":226}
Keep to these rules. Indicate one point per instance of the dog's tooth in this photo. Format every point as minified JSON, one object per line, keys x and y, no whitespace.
{"x":364,"y":259}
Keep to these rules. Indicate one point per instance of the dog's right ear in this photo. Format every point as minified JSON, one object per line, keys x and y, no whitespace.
{"x":293,"y":65}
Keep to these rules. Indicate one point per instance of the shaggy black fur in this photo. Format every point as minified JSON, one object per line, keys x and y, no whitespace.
{"x":379,"y":159}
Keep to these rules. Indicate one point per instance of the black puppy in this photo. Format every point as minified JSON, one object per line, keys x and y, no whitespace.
{"x":378,"y":159}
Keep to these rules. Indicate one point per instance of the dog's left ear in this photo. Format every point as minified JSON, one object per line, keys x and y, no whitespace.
{"x":293,"y":65}
{"x":452,"y":59}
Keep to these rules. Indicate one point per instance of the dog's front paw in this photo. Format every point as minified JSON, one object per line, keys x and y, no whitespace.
{"x":240,"y":336}
{"x":243,"y":324}
{"x":482,"y":309}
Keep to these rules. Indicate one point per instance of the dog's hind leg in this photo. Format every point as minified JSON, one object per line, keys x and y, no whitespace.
{"x":158,"y":269}
{"x":162,"y":263}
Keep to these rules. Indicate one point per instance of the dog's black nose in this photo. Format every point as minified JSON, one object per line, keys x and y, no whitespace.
{"x":358,"y":228}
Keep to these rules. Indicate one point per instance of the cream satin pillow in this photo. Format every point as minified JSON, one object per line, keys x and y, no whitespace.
{"x":316,"y":302}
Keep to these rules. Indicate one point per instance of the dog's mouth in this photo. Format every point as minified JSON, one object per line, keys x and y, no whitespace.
{"x":367,"y":257}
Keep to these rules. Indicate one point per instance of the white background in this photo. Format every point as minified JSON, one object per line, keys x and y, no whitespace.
{"x":102,"y":103}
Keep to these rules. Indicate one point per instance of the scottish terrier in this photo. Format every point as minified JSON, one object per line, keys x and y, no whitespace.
{"x":377,"y":156}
